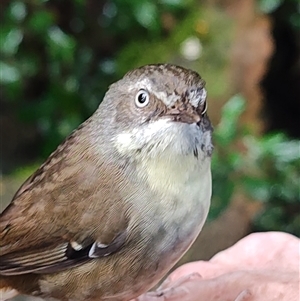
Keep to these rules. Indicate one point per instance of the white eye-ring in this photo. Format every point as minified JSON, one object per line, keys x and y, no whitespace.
{"x":205,"y":108}
{"x":142,"y":98}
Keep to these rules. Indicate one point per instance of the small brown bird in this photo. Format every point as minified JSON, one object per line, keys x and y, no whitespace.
{"x":120,"y":200}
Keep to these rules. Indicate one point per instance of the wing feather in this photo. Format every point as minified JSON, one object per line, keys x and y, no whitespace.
{"x":57,"y":215}
{"x":54,"y":259}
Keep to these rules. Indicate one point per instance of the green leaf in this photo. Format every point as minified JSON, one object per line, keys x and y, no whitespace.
{"x":146,"y":14}
{"x":61,"y":45}
{"x":41,"y":21}
{"x":259,"y":189}
{"x":8,"y":73}
{"x":234,"y":107}
{"x":175,"y":3}
{"x":18,"y":11}
{"x":226,"y":130}
{"x":268,"y":6}
{"x":10,"y":40}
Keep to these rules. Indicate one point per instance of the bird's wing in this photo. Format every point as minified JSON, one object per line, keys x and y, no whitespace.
{"x":57,"y":219}
{"x":57,"y":257}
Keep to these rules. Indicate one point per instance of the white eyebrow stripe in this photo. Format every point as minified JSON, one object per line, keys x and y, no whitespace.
{"x":163,"y":96}
{"x":196,"y":99}
{"x":142,"y":84}
{"x":170,"y":99}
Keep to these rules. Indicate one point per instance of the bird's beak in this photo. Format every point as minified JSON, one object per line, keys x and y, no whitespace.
{"x":183,"y":112}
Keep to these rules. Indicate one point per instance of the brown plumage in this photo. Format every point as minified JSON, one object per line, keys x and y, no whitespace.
{"x":99,"y":220}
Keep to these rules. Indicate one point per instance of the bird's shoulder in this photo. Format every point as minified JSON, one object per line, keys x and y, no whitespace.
{"x":66,"y":200}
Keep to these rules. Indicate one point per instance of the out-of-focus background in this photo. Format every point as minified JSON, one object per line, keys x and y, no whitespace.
{"x":59,"y":57}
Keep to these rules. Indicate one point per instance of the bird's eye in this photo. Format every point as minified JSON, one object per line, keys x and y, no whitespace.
{"x":142,"y":99}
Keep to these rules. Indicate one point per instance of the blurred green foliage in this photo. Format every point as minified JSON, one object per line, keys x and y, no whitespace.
{"x":292,"y":10}
{"x":58,"y":57}
{"x":267,"y":169}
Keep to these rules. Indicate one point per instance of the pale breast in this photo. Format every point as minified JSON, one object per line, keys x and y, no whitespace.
{"x":182,"y":192}
{"x":173,"y":213}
